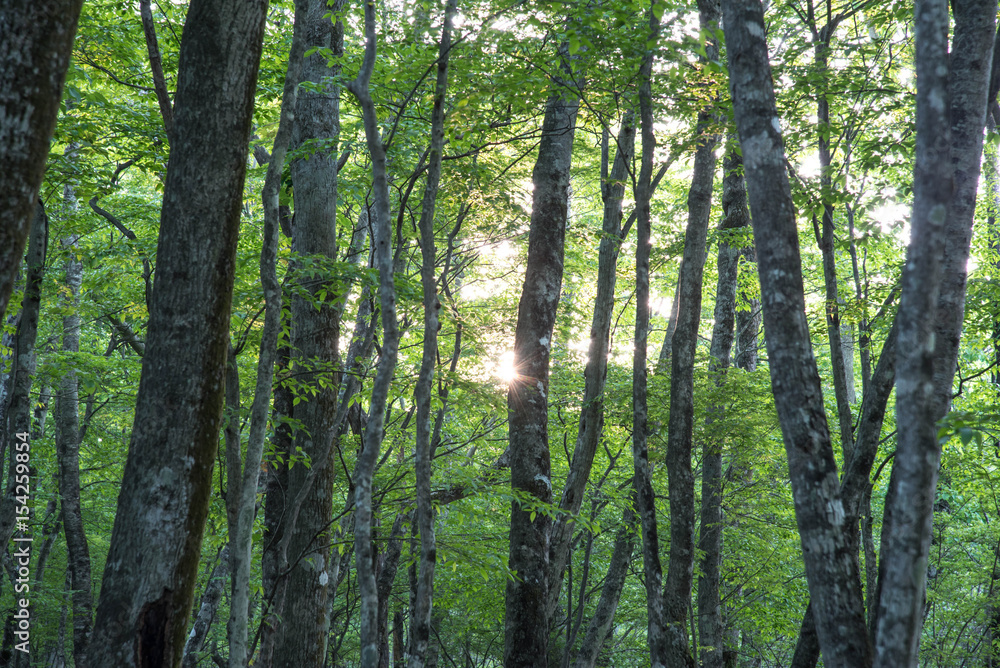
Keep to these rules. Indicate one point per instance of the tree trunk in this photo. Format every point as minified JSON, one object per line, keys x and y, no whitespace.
{"x":206,"y":611}
{"x":831,"y":569}
{"x":304,"y":627}
{"x":156,"y":66}
{"x":68,"y":448}
{"x":680,"y":572}
{"x":825,"y":237}
{"x":596,"y":372}
{"x":645,"y":499}
{"x":526,"y":621}
{"x":34,"y":56}
{"x":150,"y":574}
{"x":420,"y":630}
{"x":243,"y":490}
{"x":365,"y":466}
{"x":710,"y":625}
{"x":950,"y":119}
{"x":855,"y":488}
{"x":18,"y":417}
{"x":604,"y":615}
{"x":385,"y":576}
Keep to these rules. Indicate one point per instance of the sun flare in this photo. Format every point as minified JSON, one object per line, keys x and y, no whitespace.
{"x":505,"y":370}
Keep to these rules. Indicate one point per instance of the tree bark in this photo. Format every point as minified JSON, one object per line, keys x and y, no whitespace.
{"x":825,"y":237}
{"x":611,"y":591}
{"x":34,"y":56}
{"x":951,"y":110}
{"x":243,"y":490}
{"x":150,"y":574}
{"x":420,"y":625}
{"x":365,"y":466}
{"x":302,"y":634}
{"x":18,"y":417}
{"x":710,"y":624}
{"x":526,"y":621}
{"x":645,"y":499}
{"x":831,"y":569}
{"x":210,"y":598}
{"x":596,"y":372}
{"x":68,"y":438}
{"x":680,"y":572}
{"x":156,"y":66}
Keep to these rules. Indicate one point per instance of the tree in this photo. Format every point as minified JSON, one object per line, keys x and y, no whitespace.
{"x":33,"y":62}
{"x":951,"y":108}
{"x":149,"y":578}
{"x":830,"y":565}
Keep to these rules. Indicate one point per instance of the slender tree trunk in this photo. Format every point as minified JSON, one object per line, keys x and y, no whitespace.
{"x":821,"y":52}
{"x":596,"y":372}
{"x":951,"y":110}
{"x":34,"y":56}
{"x":150,"y":574}
{"x":244,"y":495}
{"x":206,"y":611}
{"x":276,"y":502}
{"x":710,"y":624}
{"x":18,"y":417}
{"x":831,"y":569}
{"x":365,"y":466}
{"x":385,"y":576}
{"x":420,"y":631}
{"x":604,"y":615}
{"x":156,"y":65}
{"x":748,"y":314}
{"x":304,"y":627}
{"x":526,"y":621}
{"x":680,"y":573}
{"x":656,"y":615}
{"x":68,"y":447}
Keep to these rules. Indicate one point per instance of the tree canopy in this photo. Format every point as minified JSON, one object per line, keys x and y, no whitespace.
{"x":501,"y":333}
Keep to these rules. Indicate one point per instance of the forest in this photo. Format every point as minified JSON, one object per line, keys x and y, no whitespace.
{"x":481,"y":333}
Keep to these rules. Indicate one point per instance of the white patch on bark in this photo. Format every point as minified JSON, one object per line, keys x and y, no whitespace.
{"x":936,"y":99}
{"x":541,"y":388}
{"x":835,"y":509}
{"x":755,"y":29}
{"x":323,"y":579}
{"x":758,"y":150}
{"x":776,"y":124}
{"x":938,"y":213}
{"x":544,"y":342}
{"x":544,"y":480}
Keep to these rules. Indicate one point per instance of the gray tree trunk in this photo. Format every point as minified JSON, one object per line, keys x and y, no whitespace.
{"x":18,"y":417}
{"x":420,"y":620}
{"x":243,"y":490}
{"x":68,"y":436}
{"x":645,"y":499}
{"x":210,"y":598}
{"x":951,"y":108}
{"x":156,"y":65}
{"x":302,"y":634}
{"x":604,"y":614}
{"x":825,"y":236}
{"x":526,"y":620}
{"x":680,"y":572}
{"x":595,"y":374}
{"x":150,"y":573}
{"x":831,"y":569}
{"x":710,"y":624}
{"x":34,"y":56}
{"x":382,"y":242}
